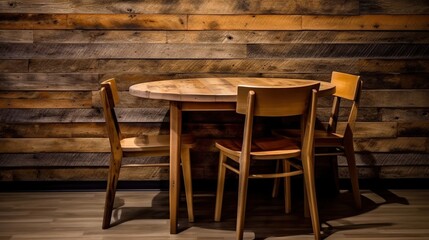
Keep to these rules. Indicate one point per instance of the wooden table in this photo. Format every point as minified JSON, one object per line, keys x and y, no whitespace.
{"x":202,"y":94}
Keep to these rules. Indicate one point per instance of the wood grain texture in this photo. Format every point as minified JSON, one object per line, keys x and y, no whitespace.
{"x":77,"y":130}
{"x":16,"y":36}
{"x":244,"y":22}
{"x":48,"y":115}
{"x":33,"y":21}
{"x":366,"y":22}
{"x":393,"y":7}
{"x":185,"y":7}
{"x":45,"y":99}
{"x":34,"y":145}
{"x":14,"y":66}
{"x":367,"y":51}
{"x":118,"y":51}
{"x":98,"y":36}
{"x":400,"y":144}
{"x":48,"y":82}
{"x":127,"y":21}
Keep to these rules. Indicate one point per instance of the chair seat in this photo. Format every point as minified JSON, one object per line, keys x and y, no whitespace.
{"x":321,"y":137}
{"x":153,"y":143}
{"x":263,"y":148}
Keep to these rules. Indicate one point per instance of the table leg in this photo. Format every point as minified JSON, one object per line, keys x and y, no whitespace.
{"x":175,"y":153}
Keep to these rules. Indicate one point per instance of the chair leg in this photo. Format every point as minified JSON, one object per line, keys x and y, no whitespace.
{"x":276,"y":186}
{"x":220,"y":187}
{"x":351,"y":162}
{"x":112,"y":182}
{"x":287,"y":188}
{"x":242,"y":197}
{"x":311,"y":195}
{"x":187,"y":178}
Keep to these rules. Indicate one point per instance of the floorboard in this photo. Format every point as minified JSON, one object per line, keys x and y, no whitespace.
{"x":386,"y":214}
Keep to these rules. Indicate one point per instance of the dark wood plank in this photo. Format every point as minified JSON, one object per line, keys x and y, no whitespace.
{"x":395,"y":98}
{"x":395,"y":81}
{"x":392,"y":51}
{"x":80,"y":173}
{"x":387,"y":172}
{"x":14,"y":66}
{"x":413,"y":129}
{"x":77,"y":130}
{"x":236,"y":66}
{"x":394,"y":7}
{"x":118,"y":51}
{"x":315,"y":37}
{"x":48,"y":82}
{"x":387,"y":159}
{"x":35,"y":145}
{"x":185,"y":7}
{"x":400,"y":144}
{"x":33,"y":21}
{"x":99,"y":36}
{"x":404,"y":115}
{"x":393,"y":66}
{"x":45,"y":99}
{"x":366,"y":22}
{"x":46,"y":115}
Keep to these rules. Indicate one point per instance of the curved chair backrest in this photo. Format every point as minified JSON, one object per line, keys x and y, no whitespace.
{"x":347,"y":86}
{"x":108,"y":92}
{"x":276,"y":101}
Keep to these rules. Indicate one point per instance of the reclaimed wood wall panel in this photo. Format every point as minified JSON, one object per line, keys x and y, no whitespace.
{"x":54,"y":54}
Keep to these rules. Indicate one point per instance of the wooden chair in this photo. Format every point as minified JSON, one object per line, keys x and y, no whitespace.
{"x":140,"y":146}
{"x":348,"y":87}
{"x":273,"y":102}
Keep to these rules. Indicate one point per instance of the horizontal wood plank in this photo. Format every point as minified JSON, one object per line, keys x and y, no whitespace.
{"x":400,"y":144}
{"x":395,"y":81}
{"x":416,"y":129}
{"x":62,"y":65}
{"x":185,"y":6}
{"x":127,"y":21}
{"x":244,"y":22}
{"x":112,"y":51}
{"x":77,"y":130}
{"x":395,"y":98}
{"x":32,"y":21}
{"x":45,"y":99}
{"x":16,"y":36}
{"x":366,"y":22}
{"x":392,"y":51}
{"x":290,"y":36}
{"x":387,"y":159}
{"x":388,"y":172}
{"x":393,"y":7}
{"x":14,"y":66}
{"x":402,"y":115}
{"x":48,"y":82}
{"x":237,"y":66}
{"x":34,"y":145}
{"x":48,"y":115}
{"x":99,"y":36}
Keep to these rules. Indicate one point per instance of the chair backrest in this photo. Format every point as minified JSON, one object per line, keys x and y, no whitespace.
{"x":274,"y":102}
{"x":108,"y":92}
{"x":349,"y":87}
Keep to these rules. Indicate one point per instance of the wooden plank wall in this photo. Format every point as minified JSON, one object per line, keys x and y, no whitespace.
{"x":54,"y":54}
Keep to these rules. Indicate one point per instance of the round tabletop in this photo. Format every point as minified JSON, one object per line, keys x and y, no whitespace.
{"x":214,"y":89}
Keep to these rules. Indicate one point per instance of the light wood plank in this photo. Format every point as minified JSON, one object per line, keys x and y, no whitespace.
{"x":127,"y":21}
{"x":45,"y":99}
{"x":48,"y":81}
{"x":244,"y":22}
{"x":33,"y":145}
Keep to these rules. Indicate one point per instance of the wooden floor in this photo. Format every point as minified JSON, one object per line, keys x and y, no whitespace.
{"x":386,"y":214}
